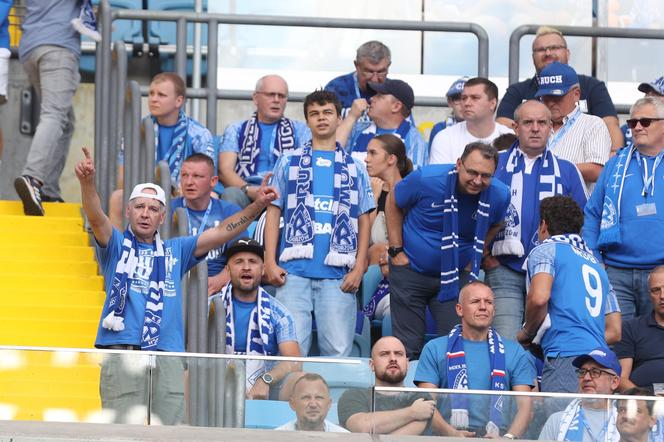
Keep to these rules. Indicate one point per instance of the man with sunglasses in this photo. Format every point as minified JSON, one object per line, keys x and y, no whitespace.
{"x":372,"y":63}
{"x":589,"y":419}
{"x":640,"y":350}
{"x":250,"y":148}
{"x":625,"y":213}
{"x":438,"y":220}
{"x":550,"y":45}
{"x":654,"y":88}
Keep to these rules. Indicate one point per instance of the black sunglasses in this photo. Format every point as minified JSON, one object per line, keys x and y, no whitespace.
{"x":645,"y":122}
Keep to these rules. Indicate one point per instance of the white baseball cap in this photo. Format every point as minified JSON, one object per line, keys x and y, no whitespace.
{"x":139,"y":191}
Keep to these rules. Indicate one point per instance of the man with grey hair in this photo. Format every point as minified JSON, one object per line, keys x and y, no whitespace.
{"x":550,"y":45}
{"x":626,"y":210}
{"x":577,"y":137}
{"x":249,"y":149}
{"x":640,"y":350}
{"x":372,"y":63}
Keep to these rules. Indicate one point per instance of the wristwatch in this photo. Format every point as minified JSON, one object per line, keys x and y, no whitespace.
{"x":509,"y":436}
{"x":244,"y":188}
{"x":394,"y":251}
{"x":267,"y":378}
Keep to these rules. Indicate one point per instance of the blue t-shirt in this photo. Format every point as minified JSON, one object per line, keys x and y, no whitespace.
{"x":535,"y":190}
{"x":348,"y":90}
{"x":420,"y":196}
{"x":219,"y":211}
{"x":281,"y":325}
{"x":165,"y":138}
{"x":432,"y":368}
{"x":323,"y":195}
{"x":179,"y":254}
{"x":641,"y":246}
{"x":266,"y":159}
{"x":416,"y":148}
{"x":579,"y":295}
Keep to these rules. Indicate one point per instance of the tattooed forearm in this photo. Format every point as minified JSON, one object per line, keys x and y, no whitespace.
{"x":232,"y":225}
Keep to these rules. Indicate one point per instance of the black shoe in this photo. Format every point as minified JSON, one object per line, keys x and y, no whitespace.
{"x":28,"y":190}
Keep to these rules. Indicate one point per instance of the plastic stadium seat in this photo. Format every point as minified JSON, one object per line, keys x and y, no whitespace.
{"x":267,"y":414}
{"x":129,"y":31}
{"x":342,"y":376}
{"x":164,"y":32}
{"x":410,"y":376}
{"x":370,"y":282}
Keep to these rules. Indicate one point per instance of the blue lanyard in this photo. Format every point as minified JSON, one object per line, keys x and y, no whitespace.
{"x":648,"y":181}
{"x":582,"y":417}
{"x":357,"y":85}
{"x":556,"y":137}
{"x":201,"y":228}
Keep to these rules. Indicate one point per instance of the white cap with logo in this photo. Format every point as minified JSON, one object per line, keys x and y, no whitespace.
{"x":139,"y":191}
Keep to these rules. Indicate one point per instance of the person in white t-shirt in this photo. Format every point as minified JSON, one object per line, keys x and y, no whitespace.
{"x":480,"y":98}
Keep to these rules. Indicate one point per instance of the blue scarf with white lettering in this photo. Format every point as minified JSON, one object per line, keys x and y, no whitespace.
{"x":154,"y":305}
{"x":359,"y":149}
{"x":457,"y":379}
{"x":250,"y":144}
{"x":449,"y":247}
{"x":86,"y":23}
{"x":300,"y":212}
{"x":572,"y":424}
{"x":549,"y":183}
{"x":609,"y":229}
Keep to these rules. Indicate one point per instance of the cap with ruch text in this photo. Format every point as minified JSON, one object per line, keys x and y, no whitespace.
{"x":656,"y":86}
{"x":457,"y":88}
{"x":603,"y":356}
{"x":556,"y":79}
{"x":397,"y":88}
{"x":244,"y":245}
{"x":139,"y":191}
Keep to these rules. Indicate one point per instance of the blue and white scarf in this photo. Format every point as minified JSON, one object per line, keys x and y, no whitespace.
{"x":609,"y":229}
{"x":124,"y":270}
{"x":547,"y":170}
{"x":382,"y":290}
{"x":457,"y":379}
{"x":449,"y":247}
{"x":359,"y":149}
{"x":572,"y":424}
{"x":86,"y":23}
{"x":250,"y":144}
{"x":300,"y":212}
{"x":574,"y":240}
{"x":258,"y":335}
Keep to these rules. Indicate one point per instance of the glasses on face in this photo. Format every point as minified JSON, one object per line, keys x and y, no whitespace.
{"x":594,"y":372}
{"x":277,"y":95}
{"x":645,"y":122}
{"x":474,"y":174}
{"x":552,"y":48}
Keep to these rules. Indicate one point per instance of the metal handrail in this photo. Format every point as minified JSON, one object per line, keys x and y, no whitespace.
{"x":575,"y":31}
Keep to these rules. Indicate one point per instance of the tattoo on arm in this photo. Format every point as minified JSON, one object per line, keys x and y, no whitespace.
{"x":241,"y":222}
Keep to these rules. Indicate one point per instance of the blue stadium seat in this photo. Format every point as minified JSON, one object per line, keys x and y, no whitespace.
{"x":163,"y":32}
{"x":264,"y":414}
{"x":129,"y":31}
{"x":410,"y":376}
{"x":340,"y":377}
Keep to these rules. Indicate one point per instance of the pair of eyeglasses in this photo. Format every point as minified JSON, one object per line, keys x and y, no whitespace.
{"x":645,"y":122}
{"x":551,"y":48}
{"x":594,"y":372}
{"x":474,"y":174}
{"x":278,"y":95}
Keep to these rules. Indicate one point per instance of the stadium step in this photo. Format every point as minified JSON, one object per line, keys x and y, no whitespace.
{"x":50,"y":296}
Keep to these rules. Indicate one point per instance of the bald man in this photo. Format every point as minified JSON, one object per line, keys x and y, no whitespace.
{"x":250,"y":148}
{"x":403,"y":413}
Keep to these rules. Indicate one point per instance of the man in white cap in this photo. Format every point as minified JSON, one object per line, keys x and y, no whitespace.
{"x":143,"y":306}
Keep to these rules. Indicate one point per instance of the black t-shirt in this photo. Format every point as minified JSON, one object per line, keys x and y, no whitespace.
{"x":358,"y":400}
{"x":643,"y":341}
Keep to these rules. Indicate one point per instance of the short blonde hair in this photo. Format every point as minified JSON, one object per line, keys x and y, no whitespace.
{"x":548,"y":30}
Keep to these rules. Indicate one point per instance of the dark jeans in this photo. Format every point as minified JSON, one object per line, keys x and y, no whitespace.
{"x":410,"y":293}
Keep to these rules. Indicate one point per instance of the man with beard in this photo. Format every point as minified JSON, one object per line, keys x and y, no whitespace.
{"x":311,"y":402}
{"x":396,"y":413}
{"x":256,"y":323}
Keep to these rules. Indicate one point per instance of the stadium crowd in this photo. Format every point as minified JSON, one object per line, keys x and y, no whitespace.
{"x":530,"y":259}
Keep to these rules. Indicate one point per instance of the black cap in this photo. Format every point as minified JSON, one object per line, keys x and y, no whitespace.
{"x":397,"y":88}
{"x":244,"y":245}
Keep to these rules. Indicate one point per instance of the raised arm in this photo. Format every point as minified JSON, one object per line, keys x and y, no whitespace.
{"x":346,"y":127}
{"x":101,"y":225}
{"x":230,"y":227}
